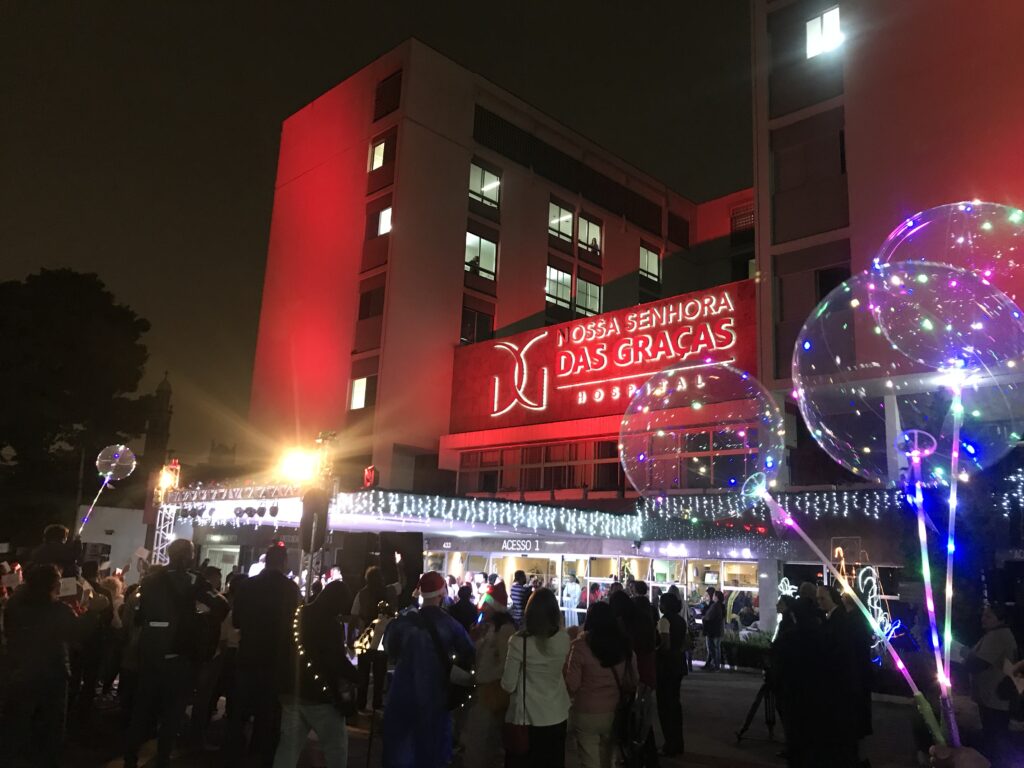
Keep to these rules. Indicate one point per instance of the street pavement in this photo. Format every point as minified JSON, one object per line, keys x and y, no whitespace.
{"x":714,"y":707}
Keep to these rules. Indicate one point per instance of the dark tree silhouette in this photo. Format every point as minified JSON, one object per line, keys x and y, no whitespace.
{"x":70,"y":357}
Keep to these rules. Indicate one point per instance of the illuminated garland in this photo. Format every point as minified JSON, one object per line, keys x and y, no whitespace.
{"x":1013,"y":500}
{"x":302,"y":651}
{"x":674,"y":518}
{"x":815,"y":504}
{"x":490,"y":513}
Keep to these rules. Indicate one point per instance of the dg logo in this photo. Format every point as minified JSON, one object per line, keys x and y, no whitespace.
{"x":517,"y":389}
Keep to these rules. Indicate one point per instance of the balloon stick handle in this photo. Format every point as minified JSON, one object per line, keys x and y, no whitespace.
{"x":88,"y":513}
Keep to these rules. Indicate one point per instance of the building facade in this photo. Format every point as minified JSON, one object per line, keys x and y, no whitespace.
{"x":419,"y":208}
{"x":866,"y":113}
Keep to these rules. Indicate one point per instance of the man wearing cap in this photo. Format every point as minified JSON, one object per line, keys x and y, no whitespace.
{"x":263,"y":612}
{"x":424,"y":645}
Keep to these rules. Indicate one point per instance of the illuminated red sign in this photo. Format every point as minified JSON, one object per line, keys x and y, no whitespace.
{"x":592,"y":366}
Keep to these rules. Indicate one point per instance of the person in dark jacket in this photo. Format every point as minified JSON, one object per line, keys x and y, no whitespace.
{"x":671,"y":668}
{"x":366,"y":607}
{"x":38,"y":629}
{"x":464,"y":610}
{"x":713,"y":622}
{"x":57,"y":550}
{"x":170,"y":643}
{"x":263,"y":612}
{"x":839,"y":659}
{"x":311,"y":703}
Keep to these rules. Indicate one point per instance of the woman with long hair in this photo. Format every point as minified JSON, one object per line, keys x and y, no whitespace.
{"x":533,"y":679}
{"x":601,"y":664}
{"x":320,"y":661}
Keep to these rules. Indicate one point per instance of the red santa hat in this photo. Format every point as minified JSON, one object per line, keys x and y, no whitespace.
{"x":432,"y":584}
{"x":497,"y":596}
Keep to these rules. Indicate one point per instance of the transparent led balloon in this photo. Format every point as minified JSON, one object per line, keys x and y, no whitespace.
{"x":886,"y":416}
{"x":699,"y":428}
{"x":946,"y":317}
{"x":984,"y":238}
{"x":115,"y":462}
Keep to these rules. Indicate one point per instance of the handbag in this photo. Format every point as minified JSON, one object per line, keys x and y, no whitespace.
{"x":515,"y":737}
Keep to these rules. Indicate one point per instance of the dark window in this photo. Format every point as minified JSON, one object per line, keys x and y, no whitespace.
{"x":476,"y":326}
{"x":829,"y":279}
{"x":371,"y":303}
{"x":389,"y":93}
{"x":679,"y":230}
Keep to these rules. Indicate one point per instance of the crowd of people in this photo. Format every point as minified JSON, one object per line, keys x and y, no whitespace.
{"x":472,"y":667}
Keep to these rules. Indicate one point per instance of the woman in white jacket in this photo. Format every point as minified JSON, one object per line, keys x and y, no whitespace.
{"x":533,"y":678}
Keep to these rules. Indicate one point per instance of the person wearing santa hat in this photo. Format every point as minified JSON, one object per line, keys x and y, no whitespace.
{"x":424,"y":645}
{"x":481,"y":733}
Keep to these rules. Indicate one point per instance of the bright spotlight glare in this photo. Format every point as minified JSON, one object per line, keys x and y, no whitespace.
{"x":298,"y":465}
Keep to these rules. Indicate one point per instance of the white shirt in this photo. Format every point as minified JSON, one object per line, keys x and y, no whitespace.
{"x":547,"y":700}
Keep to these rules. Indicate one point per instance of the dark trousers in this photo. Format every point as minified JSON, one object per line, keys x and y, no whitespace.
{"x":995,"y":729}
{"x":377,"y":663}
{"x":161,"y":696}
{"x":255,"y":696}
{"x":205,"y":700}
{"x":35,"y":717}
{"x":670,"y":712}
{"x":547,"y":748}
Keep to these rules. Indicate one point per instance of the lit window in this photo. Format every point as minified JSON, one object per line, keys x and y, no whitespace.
{"x":590,"y":234}
{"x":588,"y":297}
{"x":558,"y":287}
{"x":484,"y":186}
{"x":481,"y":256}
{"x":560,"y":221}
{"x":377,"y":155}
{"x":650,"y":264}
{"x":823,"y":33}
{"x":364,"y":393}
{"x":384,"y":221}
{"x":358,"y":399}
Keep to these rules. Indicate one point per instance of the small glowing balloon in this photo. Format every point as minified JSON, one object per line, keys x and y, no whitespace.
{"x":984,"y":238}
{"x":700,"y":428}
{"x":115,"y":462}
{"x":945,"y":317}
{"x":882,"y":414}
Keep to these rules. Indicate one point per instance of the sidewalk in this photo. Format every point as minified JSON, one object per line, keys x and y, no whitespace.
{"x":714,"y":706}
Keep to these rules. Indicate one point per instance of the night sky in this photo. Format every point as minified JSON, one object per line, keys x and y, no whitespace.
{"x":139,"y":140}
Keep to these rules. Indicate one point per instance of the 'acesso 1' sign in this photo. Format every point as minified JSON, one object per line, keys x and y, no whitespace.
{"x":592,"y":366}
